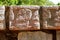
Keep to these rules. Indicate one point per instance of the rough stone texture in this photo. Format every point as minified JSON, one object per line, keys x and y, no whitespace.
{"x":58,"y":35}
{"x":26,"y":35}
{"x":2,"y":17}
{"x":24,"y":18}
{"x":11,"y":36}
{"x":3,"y":36}
{"x":37,"y":35}
{"x":51,"y":17}
{"x":8,"y":36}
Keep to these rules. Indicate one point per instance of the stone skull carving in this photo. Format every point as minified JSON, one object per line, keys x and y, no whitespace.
{"x":24,"y":18}
{"x":2,"y":17}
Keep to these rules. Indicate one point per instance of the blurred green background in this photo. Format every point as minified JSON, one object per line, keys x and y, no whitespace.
{"x":27,"y":2}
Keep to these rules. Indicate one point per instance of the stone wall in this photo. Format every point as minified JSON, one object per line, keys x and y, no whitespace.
{"x":29,"y":23}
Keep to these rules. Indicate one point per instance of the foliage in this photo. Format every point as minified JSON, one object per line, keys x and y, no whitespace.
{"x":58,"y":4}
{"x":25,"y":2}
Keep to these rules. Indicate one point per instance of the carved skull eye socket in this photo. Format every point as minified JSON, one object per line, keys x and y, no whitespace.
{"x":26,"y":13}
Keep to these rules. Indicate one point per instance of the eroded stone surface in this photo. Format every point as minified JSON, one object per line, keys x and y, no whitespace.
{"x":37,"y":35}
{"x":24,"y":18}
{"x":2,"y":17}
{"x":51,"y":17}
